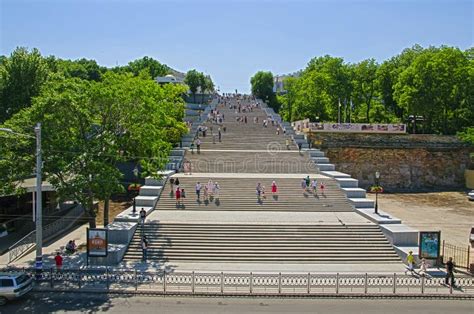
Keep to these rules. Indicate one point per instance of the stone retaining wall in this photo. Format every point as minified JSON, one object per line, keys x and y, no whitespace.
{"x":405,"y":162}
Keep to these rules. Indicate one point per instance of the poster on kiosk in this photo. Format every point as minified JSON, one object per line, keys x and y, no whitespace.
{"x":429,"y":244}
{"x":96,"y":242}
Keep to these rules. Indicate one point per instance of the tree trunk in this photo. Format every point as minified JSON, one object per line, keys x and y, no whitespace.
{"x":106,"y":211}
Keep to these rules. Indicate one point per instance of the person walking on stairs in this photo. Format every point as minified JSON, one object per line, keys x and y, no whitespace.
{"x":303,"y":185}
{"x":144,"y":248}
{"x":178,"y":197}
{"x":176,"y":183}
{"x":220,"y":134}
{"x":322,"y":187}
{"x":171,"y":186}
{"x":287,"y":142}
{"x":258,"y":191}
{"x":314,"y":187}
{"x":198,"y":145}
{"x":198,"y":191}
{"x":216,"y":190}
{"x":142,"y":216}
{"x":274,"y":188}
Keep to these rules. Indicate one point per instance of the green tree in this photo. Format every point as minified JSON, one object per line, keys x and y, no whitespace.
{"x":193,"y":79}
{"x":154,"y":67}
{"x":364,"y":84}
{"x":262,"y":87}
{"x":89,"y":127}
{"x":22,"y":76}
{"x":437,"y":85}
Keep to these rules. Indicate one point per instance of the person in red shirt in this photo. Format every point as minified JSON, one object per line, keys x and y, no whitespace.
{"x":59,"y":261}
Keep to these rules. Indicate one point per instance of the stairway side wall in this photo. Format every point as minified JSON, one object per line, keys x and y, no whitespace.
{"x":406,"y":163}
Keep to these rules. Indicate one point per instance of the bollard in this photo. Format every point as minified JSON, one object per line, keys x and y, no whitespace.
{"x":394,"y":283}
{"x":222,"y":282}
{"x":164,"y":282}
{"x":309,"y":283}
{"x":279,"y":283}
{"x":365,"y":283}
{"x":251,"y":282}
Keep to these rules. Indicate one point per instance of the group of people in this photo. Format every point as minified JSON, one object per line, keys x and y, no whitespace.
{"x":177,"y":191}
{"x":449,"y":278}
{"x":210,"y":191}
{"x":308,"y":185}
{"x":260,"y":190}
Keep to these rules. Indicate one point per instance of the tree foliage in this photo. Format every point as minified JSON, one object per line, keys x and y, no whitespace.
{"x":21,"y":78}
{"x":436,"y":83}
{"x":89,"y":126}
{"x":262,"y":87}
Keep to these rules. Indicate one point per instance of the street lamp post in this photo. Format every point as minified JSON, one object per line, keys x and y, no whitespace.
{"x":135,"y":173}
{"x":377,"y":177}
{"x":39,"y":204}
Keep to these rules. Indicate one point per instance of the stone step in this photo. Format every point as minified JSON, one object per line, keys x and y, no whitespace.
{"x":326,"y":167}
{"x":354,"y":192}
{"x":320,"y":160}
{"x":347,"y":182}
{"x":315,"y":153}
{"x":150,"y":190}
{"x":335,"y":174}
{"x":362,"y":202}
{"x":149,"y":201}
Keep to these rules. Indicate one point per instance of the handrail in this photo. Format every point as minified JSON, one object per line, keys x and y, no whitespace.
{"x":249,"y":283}
{"x":29,"y":241}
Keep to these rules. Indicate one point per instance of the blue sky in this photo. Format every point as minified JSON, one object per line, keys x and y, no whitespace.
{"x":231,"y":40}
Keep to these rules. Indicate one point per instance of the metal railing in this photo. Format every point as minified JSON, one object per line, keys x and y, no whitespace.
{"x":28,"y":242}
{"x":216,"y":283}
{"x":459,"y":254}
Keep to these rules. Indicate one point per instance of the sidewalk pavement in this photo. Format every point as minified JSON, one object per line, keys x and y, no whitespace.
{"x":76,"y":260}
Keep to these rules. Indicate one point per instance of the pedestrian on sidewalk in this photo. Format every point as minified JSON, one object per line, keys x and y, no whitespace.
{"x":142,"y":216}
{"x":58,"y":259}
{"x":299,"y":147}
{"x":145,"y":248}
{"x":198,"y":190}
{"x":410,"y":262}
{"x":450,"y":273}
{"x":423,"y":270}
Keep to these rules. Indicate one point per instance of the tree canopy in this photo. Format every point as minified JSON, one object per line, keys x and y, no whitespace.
{"x":262,"y":87}
{"x":92,"y":120}
{"x":436,"y":83}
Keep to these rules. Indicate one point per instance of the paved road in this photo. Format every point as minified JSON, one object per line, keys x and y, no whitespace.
{"x":91,"y":303}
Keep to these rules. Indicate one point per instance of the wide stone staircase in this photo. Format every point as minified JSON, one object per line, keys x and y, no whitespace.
{"x":187,"y":242}
{"x":198,"y":231}
{"x":239,"y":194}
